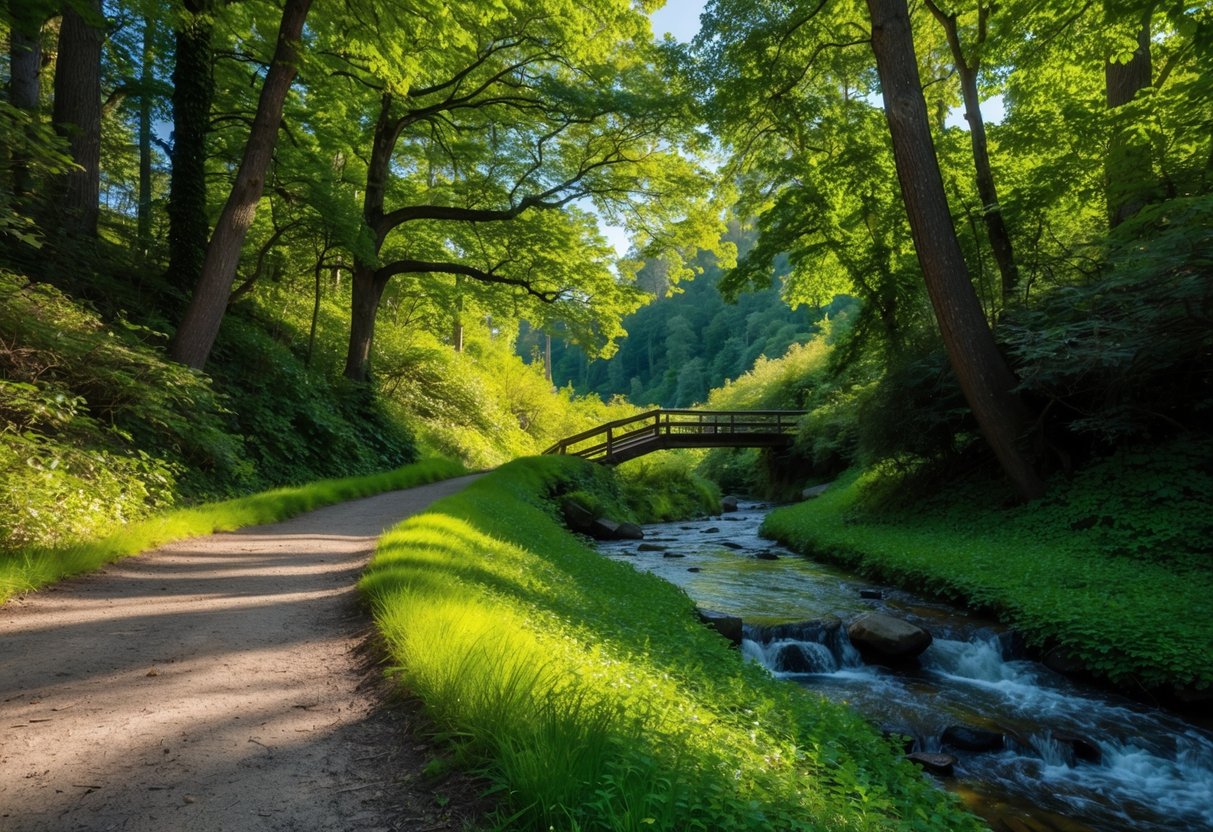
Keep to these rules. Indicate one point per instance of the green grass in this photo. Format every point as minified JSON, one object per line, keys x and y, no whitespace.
{"x":27,"y":569}
{"x":590,"y":698}
{"x":1112,"y":567}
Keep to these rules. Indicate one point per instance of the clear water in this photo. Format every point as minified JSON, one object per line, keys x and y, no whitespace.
{"x":1154,"y":771}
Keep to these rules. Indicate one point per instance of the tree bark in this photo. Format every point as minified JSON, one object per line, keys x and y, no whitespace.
{"x":77,"y":117}
{"x":991,"y":209}
{"x":193,"y":91}
{"x":366,"y":287}
{"x":1129,"y":173}
{"x":24,"y":93}
{"x":144,"y":209}
{"x":196,"y":335}
{"x":984,"y":377}
{"x":366,"y":290}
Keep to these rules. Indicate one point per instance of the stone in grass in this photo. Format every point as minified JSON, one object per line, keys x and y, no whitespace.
{"x":604,"y":529}
{"x":727,"y":625}
{"x":650,"y":547}
{"x":883,"y":639}
{"x":766,"y":554}
{"x":672,"y":555}
{"x":941,"y":765}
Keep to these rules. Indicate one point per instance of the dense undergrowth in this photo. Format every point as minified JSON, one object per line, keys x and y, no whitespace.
{"x":1111,"y":568}
{"x":32,"y":567}
{"x":590,"y":698}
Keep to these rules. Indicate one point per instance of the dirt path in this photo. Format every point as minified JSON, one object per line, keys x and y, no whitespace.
{"x":218,"y":684}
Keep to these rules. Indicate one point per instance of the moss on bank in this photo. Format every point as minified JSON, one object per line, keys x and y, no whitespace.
{"x":1113,"y":567}
{"x":589,"y":696}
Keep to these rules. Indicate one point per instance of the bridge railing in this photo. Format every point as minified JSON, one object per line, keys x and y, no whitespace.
{"x":728,"y":427}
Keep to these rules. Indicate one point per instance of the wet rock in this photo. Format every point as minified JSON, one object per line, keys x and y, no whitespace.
{"x":729,"y":626}
{"x":711,"y":530}
{"x":650,"y":547}
{"x":875,"y":594}
{"x":630,"y":531}
{"x":883,"y":639}
{"x":672,"y":555}
{"x":733,"y":519}
{"x":795,"y":658}
{"x":971,"y":739}
{"x":1059,"y":660}
{"x":941,"y":765}
{"x":766,"y":555}
{"x":1013,"y":645}
{"x":605,"y":529}
{"x":818,"y":629}
{"x":728,"y":503}
{"x":814,"y":492}
{"x":576,"y":516}
{"x":728,"y":544}
{"x":1083,"y":749}
{"x":694,"y":569}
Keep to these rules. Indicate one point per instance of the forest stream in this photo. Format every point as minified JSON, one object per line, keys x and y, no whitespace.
{"x":1065,"y":757}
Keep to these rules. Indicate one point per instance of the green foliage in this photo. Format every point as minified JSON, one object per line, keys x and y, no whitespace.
{"x":1113,"y":566}
{"x":590,"y":697}
{"x":666,"y":486}
{"x":687,"y":340}
{"x":31,"y":567}
{"x":1127,"y":354}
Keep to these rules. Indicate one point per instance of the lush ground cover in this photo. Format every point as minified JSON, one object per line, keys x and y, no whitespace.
{"x":590,"y":698}
{"x":1112,"y":567}
{"x":29,"y":568}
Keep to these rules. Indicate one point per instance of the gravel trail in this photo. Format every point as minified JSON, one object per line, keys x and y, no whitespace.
{"x":219,"y":684}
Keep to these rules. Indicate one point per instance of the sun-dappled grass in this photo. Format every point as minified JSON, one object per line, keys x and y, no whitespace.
{"x":1111,"y":567}
{"x":27,"y":569}
{"x":590,"y":698}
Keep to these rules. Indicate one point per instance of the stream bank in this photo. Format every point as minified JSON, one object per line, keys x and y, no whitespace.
{"x":1033,"y":750}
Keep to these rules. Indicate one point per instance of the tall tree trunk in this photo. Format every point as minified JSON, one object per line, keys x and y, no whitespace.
{"x":24,"y":93}
{"x":365,"y":287}
{"x":966,"y":70}
{"x":144,"y":210}
{"x":1129,"y":172}
{"x":193,"y":91}
{"x":366,"y":291}
{"x":985,"y":379}
{"x":77,"y":117}
{"x":196,"y":335}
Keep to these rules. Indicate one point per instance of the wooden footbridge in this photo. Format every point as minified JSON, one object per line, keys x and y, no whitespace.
{"x":658,"y":430}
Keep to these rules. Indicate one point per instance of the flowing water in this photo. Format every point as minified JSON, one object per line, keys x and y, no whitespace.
{"x":1070,"y":758}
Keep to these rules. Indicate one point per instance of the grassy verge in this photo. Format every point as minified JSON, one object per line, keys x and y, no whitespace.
{"x":590,"y":698}
{"x":27,"y":569}
{"x":1112,"y":568}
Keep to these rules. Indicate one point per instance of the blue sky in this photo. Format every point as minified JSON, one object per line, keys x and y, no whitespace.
{"x":678,"y":17}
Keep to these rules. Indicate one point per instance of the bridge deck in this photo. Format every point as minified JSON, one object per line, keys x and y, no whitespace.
{"x":657,"y":430}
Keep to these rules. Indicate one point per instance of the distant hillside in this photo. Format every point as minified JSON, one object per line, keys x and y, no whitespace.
{"x":685,"y":343}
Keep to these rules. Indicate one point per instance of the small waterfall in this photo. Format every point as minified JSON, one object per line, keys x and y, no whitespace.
{"x":802,"y":647}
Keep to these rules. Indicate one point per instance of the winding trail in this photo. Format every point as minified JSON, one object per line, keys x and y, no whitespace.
{"x":222,"y":683}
